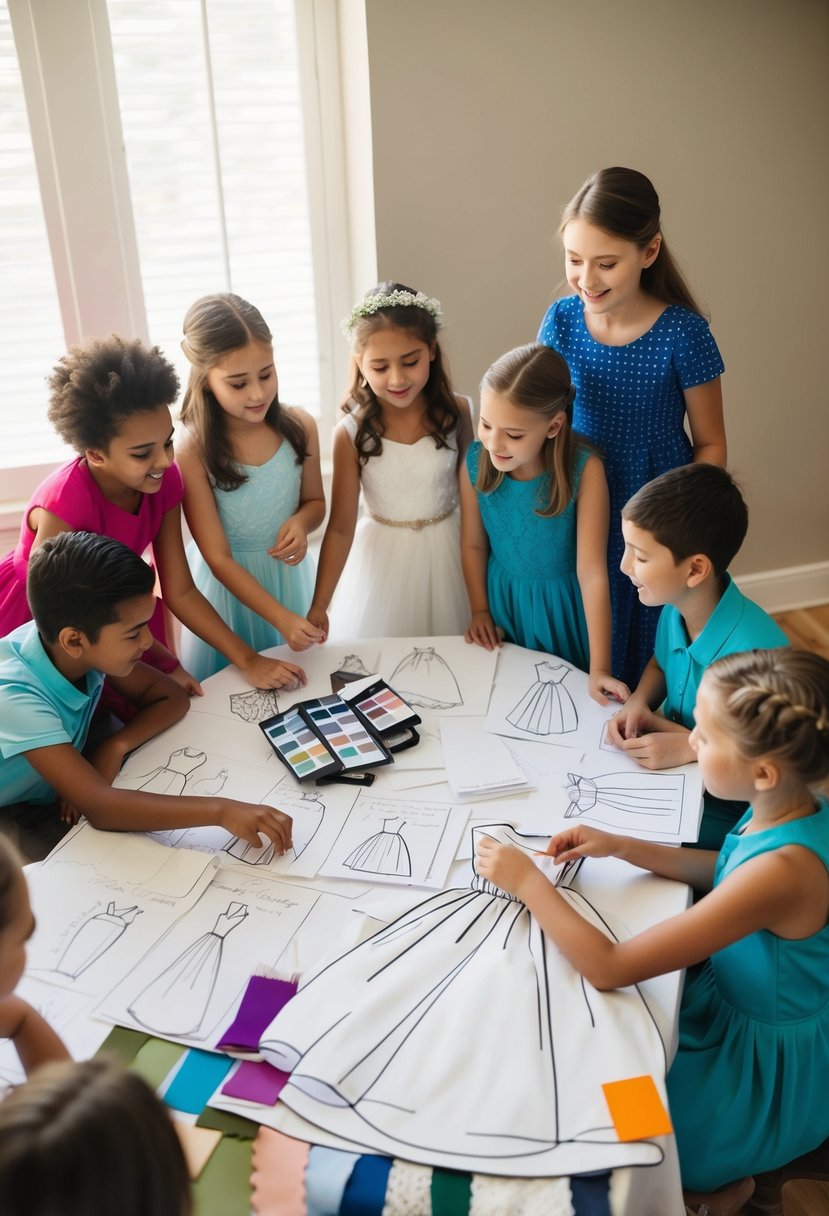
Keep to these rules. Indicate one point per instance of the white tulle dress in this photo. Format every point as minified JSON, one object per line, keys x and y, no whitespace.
{"x":403,"y":577}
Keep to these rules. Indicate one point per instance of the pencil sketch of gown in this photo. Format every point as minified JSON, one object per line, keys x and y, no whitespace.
{"x":176,"y":1001}
{"x":424,"y":678}
{"x":308,"y":812}
{"x":386,"y":852}
{"x":169,"y":778}
{"x":547,"y":707}
{"x":94,"y":937}
{"x":619,"y":795}
{"x":466,"y":980}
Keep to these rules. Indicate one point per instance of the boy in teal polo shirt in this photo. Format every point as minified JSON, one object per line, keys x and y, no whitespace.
{"x":682,"y":531}
{"x":91,"y":599}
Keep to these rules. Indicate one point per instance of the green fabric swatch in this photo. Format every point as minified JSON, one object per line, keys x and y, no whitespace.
{"x":229,"y":1124}
{"x":123,"y":1044}
{"x":223,"y":1187}
{"x":451,"y":1192}
{"x":155,"y":1060}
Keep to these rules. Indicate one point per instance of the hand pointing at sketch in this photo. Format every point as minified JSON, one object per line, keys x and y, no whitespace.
{"x":250,"y":821}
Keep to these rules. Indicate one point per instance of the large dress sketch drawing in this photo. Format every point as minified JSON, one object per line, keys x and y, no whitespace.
{"x":177,"y":1000}
{"x":386,"y":852}
{"x":308,"y":811}
{"x":614,"y":797}
{"x":94,"y":937}
{"x":423,"y":677}
{"x":547,"y":707}
{"x":466,"y":980}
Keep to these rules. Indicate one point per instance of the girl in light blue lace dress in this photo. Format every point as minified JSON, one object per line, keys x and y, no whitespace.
{"x":534,"y":519}
{"x":252,"y":484}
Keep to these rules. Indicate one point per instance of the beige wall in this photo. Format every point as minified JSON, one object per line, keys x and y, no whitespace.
{"x":488,"y":114}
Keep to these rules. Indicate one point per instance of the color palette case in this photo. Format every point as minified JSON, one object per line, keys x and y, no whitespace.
{"x":381,"y":708}
{"x":299,"y":747}
{"x":322,"y":737}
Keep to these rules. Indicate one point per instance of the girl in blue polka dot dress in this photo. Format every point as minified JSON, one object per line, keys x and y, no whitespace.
{"x":642,"y":357}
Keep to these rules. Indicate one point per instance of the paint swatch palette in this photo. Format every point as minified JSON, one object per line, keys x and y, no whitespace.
{"x":383,"y":709}
{"x":322,"y":737}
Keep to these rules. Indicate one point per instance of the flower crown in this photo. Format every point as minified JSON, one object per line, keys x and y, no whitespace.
{"x":393,"y":299}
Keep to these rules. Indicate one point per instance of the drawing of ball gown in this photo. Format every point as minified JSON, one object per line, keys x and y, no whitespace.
{"x":169,"y":778}
{"x":386,"y":852}
{"x":547,"y":707}
{"x":425,"y":678}
{"x":623,"y":794}
{"x":307,"y":811}
{"x":176,"y":1001}
{"x":466,"y":981}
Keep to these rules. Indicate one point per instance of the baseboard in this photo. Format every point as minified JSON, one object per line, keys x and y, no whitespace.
{"x":787,"y":589}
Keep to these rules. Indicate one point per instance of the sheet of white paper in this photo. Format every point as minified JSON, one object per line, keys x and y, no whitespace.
{"x":545,"y":699}
{"x":69,"y":1015}
{"x":204,"y":755}
{"x":427,"y":753}
{"x":472,"y":768}
{"x":397,"y":841}
{"x":442,"y":674}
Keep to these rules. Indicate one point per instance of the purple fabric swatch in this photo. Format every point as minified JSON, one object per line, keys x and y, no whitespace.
{"x":256,"y":1081}
{"x":263,"y":999}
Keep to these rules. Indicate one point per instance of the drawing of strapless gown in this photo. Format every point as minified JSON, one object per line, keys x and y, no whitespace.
{"x":176,"y":1001}
{"x":385,"y":852}
{"x":644,"y":794}
{"x":169,"y":778}
{"x":94,"y":937}
{"x":547,"y":707}
{"x":425,"y":678}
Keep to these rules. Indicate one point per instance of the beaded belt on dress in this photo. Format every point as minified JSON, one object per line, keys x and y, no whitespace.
{"x":415,"y":524}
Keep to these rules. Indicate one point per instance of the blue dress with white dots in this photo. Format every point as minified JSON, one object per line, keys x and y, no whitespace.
{"x":630,"y":403}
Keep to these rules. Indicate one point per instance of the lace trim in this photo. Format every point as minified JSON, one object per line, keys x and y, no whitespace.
{"x":408,"y":1190}
{"x":415,"y":524}
{"x":520,"y":1196}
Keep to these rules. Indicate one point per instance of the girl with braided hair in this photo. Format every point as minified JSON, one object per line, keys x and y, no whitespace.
{"x":748,"y":1086}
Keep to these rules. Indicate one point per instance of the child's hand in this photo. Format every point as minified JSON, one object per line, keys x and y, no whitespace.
{"x":660,"y":748}
{"x":261,"y":672}
{"x":34,"y":1039}
{"x":291,"y":544}
{"x":581,"y":841}
{"x":189,"y":683}
{"x":300,"y":633}
{"x":250,"y":821}
{"x":629,"y":723}
{"x":603,"y":687}
{"x":503,"y":865}
{"x":319,"y":617}
{"x":484,"y":632}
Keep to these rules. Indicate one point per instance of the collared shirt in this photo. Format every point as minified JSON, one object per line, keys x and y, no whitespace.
{"x":39,"y":707}
{"x":736,"y":624}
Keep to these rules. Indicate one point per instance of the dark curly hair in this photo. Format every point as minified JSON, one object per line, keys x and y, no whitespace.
{"x":95,"y":387}
{"x":442,"y":413}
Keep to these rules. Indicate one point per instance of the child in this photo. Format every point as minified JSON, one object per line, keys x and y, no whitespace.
{"x":642,"y":357}
{"x":90,"y":1137}
{"x":534,"y":531}
{"x":401,"y":440}
{"x":33,"y":1038}
{"x":682,"y":531}
{"x":92,"y":601}
{"x":748,"y":1085}
{"x":110,"y":401}
{"x":252,"y":483}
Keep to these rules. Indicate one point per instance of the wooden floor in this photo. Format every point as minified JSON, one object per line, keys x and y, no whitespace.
{"x":807,"y":628}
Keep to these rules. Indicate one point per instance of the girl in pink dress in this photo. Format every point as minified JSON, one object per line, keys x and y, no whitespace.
{"x":110,"y":400}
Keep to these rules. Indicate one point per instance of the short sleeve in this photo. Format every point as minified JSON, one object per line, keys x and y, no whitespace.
{"x":696,"y":354}
{"x":473,"y":456}
{"x":547,"y":328}
{"x":72,"y":496}
{"x":28,"y":721}
{"x":172,"y":488}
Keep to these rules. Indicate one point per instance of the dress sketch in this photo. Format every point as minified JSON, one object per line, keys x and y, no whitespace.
{"x":208,"y":787}
{"x":94,"y":937}
{"x":351,"y":668}
{"x":177,"y":1000}
{"x":169,"y":778}
{"x":424,"y":678}
{"x":308,"y":812}
{"x":547,"y":707}
{"x":461,"y":980}
{"x":255,"y":705}
{"x":612,"y":797}
{"x":386,"y":852}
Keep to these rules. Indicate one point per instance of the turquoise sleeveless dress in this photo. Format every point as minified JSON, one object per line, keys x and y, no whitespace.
{"x":748,"y":1088}
{"x":533,"y":590}
{"x":251,"y":517}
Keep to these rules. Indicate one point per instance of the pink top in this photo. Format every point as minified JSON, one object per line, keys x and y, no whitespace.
{"x":72,"y":494}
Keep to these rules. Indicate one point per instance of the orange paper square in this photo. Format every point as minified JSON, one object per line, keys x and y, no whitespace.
{"x":636,"y":1108}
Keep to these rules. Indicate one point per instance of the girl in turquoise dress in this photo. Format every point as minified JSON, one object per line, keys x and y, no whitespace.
{"x":748,"y":1086}
{"x":252,"y":484}
{"x":534,"y":519}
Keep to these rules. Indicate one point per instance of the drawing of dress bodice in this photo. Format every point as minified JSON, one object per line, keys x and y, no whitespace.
{"x":169,"y":778}
{"x":425,"y":678}
{"x":386,"y":852}
{"x":547,"y":707}
{"x":357,"y":1033}
{"x":615,"y":797}
{"x":176,"y":1001}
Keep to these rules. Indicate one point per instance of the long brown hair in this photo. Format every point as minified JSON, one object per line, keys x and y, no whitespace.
{"x":214,"y":327}
{"x":537,"y":378}
{"x":442,"y":413}
{"x":624,"y":203}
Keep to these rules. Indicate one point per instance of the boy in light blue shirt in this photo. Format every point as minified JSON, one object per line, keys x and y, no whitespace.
{"x":682,"y":530}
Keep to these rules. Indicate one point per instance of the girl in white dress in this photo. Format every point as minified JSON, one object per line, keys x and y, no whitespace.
{"x":401,"y":442}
